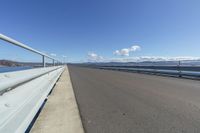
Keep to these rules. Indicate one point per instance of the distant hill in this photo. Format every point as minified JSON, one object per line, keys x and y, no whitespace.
{"x":9,"y":63}
{"x":145,"y":63}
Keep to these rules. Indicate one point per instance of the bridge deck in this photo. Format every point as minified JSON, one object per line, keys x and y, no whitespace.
{"x":60,"y":113}
{"x":121,"y":102}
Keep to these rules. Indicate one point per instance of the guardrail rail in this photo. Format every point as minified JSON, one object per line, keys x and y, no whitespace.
{"x":19,"y":44}
{"x":23,"y":92}
{"x":179,"y":71}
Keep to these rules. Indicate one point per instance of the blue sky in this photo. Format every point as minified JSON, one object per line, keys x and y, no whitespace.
{"x":76,"y":28}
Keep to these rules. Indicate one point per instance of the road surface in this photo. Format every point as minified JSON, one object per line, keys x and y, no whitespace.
{"x":122,"y":102}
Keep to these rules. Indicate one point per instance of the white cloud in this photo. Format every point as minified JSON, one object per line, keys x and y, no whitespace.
{"x":94,"y":57}
{"x":154,"y":58}
{"x":64,"y":56}
{"x":135,"y":48}
{"x":126,"y":51}
{"x":52,"y":54}
{"x":122,"y":52}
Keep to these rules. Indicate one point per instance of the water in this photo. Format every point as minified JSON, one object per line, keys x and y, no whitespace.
{"x":11,"y":69}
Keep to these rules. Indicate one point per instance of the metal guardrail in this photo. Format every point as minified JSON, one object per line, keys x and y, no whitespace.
{"x":12,"y":79}
{"x":19,"y":106}
{"x":186,"y":72}
{"x":22,"y":93}
{"x":19,"y":44}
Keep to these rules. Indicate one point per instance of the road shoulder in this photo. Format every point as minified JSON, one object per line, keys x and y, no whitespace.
{"x":60,"y":113}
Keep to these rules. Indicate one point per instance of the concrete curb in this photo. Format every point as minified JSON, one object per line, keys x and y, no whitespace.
{"x":60,"y":114}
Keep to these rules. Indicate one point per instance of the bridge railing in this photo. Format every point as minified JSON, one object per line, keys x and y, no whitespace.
{"x":24,"y":46}
{"x":177,"y":72}
{"x":22,"y":93}
{"x":188,"y":71}
{"x":12,"y":79}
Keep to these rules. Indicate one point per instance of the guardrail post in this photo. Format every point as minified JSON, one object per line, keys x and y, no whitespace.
{"x":43,"y":61}
{"x":53,"y":62}
{"x":179,"y":68}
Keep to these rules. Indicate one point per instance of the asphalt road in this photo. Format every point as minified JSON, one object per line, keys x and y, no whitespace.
{"x":122,"y":102}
